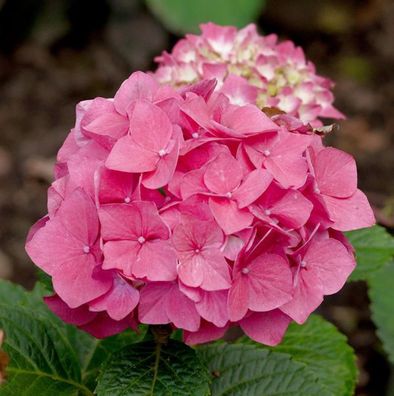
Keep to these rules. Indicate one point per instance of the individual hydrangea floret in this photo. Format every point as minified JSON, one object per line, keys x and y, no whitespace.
{"x":251,"y":68}
{"x":179,"y":207}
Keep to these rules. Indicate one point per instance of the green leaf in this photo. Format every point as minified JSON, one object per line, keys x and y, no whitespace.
{"x":43,"y":362}
{"x":316,"y":352}
{"x":325,"y":352}
{"x":149,"y":369}
{"x":96,"y":352}
{"x":49,"y":357}
{"x":381,"y":293}
{"x":184,"y":16}
{"x":243,"y":370}
{"x":45,"y":280}
{"x":374,"y":248}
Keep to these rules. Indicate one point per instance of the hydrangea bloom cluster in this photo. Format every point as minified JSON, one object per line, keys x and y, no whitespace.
{"x":179,"y":207}
{"x":251,"y":69}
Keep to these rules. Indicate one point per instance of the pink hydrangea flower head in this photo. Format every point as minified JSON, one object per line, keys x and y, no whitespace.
{"x":251,"y":68}
{"x":176,"y":206}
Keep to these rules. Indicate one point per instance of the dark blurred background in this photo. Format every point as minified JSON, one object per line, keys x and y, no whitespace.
{"x":54,"y":53}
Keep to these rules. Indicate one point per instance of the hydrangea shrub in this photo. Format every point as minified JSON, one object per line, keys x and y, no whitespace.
{"x":179,"y":207}
{"x":200,"y":197}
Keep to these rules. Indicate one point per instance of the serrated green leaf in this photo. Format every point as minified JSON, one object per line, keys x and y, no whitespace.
{"x":325,"y":352}
{"x":381,"y":293}
{"x":96,"y":352}
{"x":42,"y":360}
{"x":374,"y":248}
{"x":316,"y":351}
{"x":182,"y":16}
{"x":49,"y":357}
{"x":244,"y":370}
{"x":154,"y":369}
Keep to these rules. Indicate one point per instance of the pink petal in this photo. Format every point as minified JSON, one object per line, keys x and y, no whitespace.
{"x":331,"y":112}
{"x":255,"y":183}
{"x":350,"y":213}
{"x":247,"y":119}
{"x":336,"y":173}
{"x":109,"y":124}
{"x":182,"y":311}
{"x":207,"y":269}
{"x":121,"y":221}
{"x":88,"y":111}
{"x":77,"y":282}
{"x":77,"y":316}
{"x":162,"y":303}
{"x":192,"y":183}
{"x":127,"y":156}
{"x":216,"y":271}
{"x":116,"y":186}
{"x":223,"y":174}
{"x":56,"y":194}
{"x":52,"y":247}
{"x":191,"y":272}
{"x":119,"y":302}
{"x":214,"y":70}
{"x":151,"y":309}
{"x":82,"y":170}
{"x":79,"y":217}
{"x":266,"y":327}
{"x":121,"y":255}
{"x":102,"y":326}
{"x":308,"y":295}
{"x":68,"y":148}
{"x":213,"y":307}
{"x":259,"y":146}
{"x":150,"y":127}
{"x":232,"y":247}
{"x":164,"y":171}
{"x":156,"y":261}
{"x":220,"y":38}
{"x":206,"y":333}
{"x":193,"y":233}
{"x":292,"y":210}
{"x":228,"y":216}
{"x":289,"y":171}
{"x":239,"y":91}
{"x":202,"y":88}
{"x":138,"y":86}
{"x":238,"y":299}
{"x":269,"y":282}
{"x":332,"y":262}
{"x":287,"y":150}
{"x":289,"y":103}
{"x":196,"y":108}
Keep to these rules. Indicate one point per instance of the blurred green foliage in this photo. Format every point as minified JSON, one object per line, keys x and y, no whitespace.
{"x":184,"y":16}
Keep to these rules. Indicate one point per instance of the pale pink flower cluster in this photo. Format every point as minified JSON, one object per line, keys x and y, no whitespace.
{"x":179,"y":207}
{"x":251,"y":68}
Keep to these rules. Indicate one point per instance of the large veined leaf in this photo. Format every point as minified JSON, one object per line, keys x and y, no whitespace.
{"x":173,"y":369}
{"x":325,"y":352}
{"x":243,"y":370}
{"x":96,"y":352}
{"x":374,"y":248}
{"x":313,"y":359}
{"x":184,"y":16}
{"x":42,"y":360}
{"x":381,"y":293}
{"x":92,"y":352}
{"x":49,"y":357}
